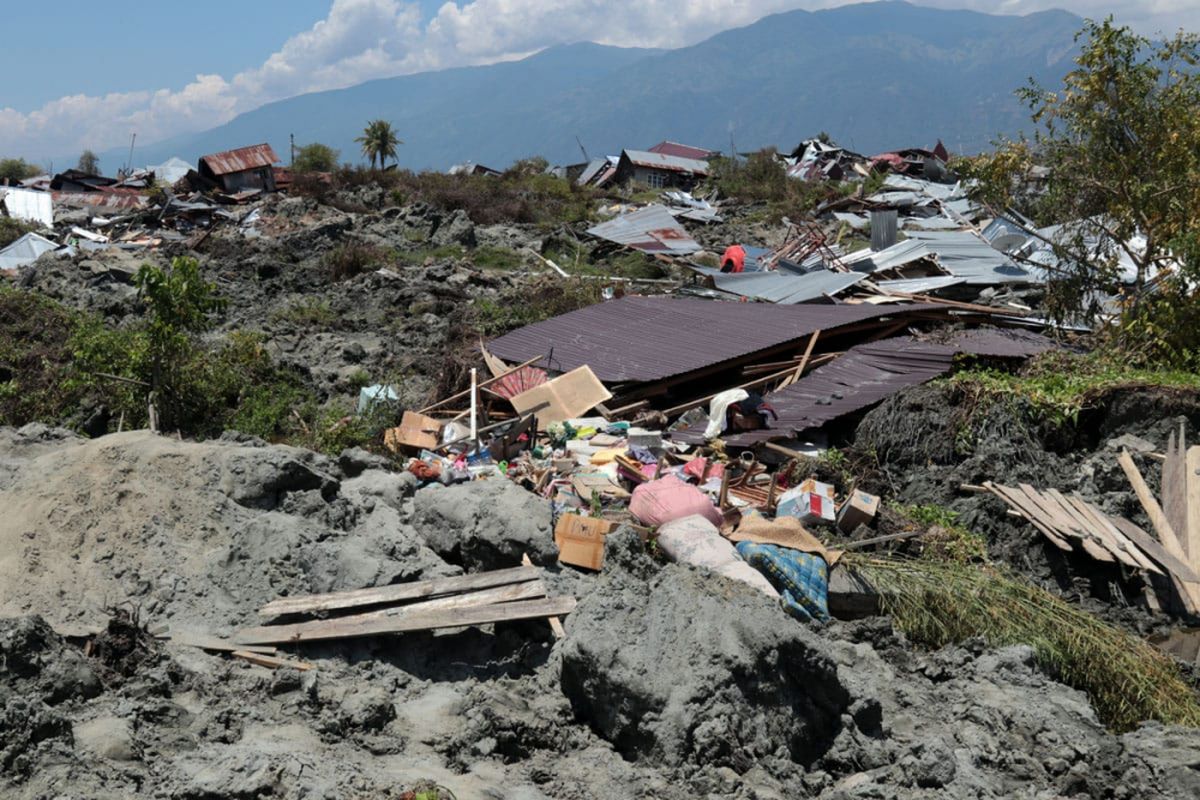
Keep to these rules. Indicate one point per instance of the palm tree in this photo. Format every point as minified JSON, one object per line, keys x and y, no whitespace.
{"x":379,"y":141}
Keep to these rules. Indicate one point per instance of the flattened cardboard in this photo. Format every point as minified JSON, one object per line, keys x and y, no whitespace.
{"x":416,"y":432}
{"x":568,"y":396}
{"x":580,"y":540}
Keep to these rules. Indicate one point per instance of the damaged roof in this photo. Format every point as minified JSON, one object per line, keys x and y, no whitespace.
{"x":682,"y":150}
{"x":642,"y":339}
{"x":255,"y":156}
{"x":643,"y":158}
{"x":871,"y":372}
{"x":652,"y":229}
{"x":778,"y":286}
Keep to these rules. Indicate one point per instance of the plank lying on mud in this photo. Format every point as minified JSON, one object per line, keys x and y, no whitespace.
{"x":1022,"y":504}
{"x":271,"y":662}
{"x":215,"y":644}
{"x":397,"y":592}
{"x":529,"y":590}
{"x":402,"y":621}
{"x":1156,"y":551}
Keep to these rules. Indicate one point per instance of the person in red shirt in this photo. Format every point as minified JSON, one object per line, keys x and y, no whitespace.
{"x":734,"y":259}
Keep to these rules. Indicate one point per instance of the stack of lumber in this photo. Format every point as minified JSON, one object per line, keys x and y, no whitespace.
{"x":480,"y":599}
{"x":1177,"y":520}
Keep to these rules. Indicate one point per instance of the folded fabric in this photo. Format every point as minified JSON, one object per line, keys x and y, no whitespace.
{"x":717,"y":408}
{"x":696,"y":541}
{"x":802,"y":578}
{"x":668,"y":498}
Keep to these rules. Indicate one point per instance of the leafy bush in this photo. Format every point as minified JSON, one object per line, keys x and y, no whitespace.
{"x":13,"y":229}
{"x":17,"y":169}
{"x":315,"y":157}
{"x":762,"y":178}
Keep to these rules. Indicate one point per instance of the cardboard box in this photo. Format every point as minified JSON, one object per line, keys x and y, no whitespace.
{"x":566,"y":397}
{"x":416,"y":432}
{"x":581,"y":539}
{"x":806,"y":506}
{"x":859,"y":509}
{"x":815,"y":487}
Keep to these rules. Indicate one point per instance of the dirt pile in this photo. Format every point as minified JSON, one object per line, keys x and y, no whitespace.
{"x":671,"y":682}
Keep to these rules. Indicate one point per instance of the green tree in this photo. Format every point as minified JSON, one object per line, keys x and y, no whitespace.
{"x":316,"y":157}
{"x":379,"y":142}
{"x":89,"y":163}
{"x":14,"y":170}
{"x":1121,"y":141}
{"x":179,"y":306}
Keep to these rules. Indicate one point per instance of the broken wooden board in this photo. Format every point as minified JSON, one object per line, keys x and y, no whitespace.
{"x":1156,"y":551}
{"x":215,"y":644}
{"x":1054,"y":516}
{"x":1174,"y":490}
{"x":351,"y":627}
{"x":556,"y":626}
{"x":528,"y":590}
{"x":1024,"y":507}
{"x":270,"y":662}
{"x":569,"y":396}
{"x":1192,"y":490}
{"x":397,"y":592}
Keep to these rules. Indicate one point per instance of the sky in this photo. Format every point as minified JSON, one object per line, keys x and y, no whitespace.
{"x":165,"y":69}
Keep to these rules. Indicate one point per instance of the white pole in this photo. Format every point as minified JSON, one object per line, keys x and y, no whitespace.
{"x":474,"y":393}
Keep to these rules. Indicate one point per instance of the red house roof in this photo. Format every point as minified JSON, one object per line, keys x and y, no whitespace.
{"x":682,"y":150}
{"x":244,"y":158}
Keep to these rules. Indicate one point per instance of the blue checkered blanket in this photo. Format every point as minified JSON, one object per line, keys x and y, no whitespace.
{"x":802,"y":578}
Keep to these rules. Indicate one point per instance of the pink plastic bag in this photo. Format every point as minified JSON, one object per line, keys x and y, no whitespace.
{"x":668,"y":499}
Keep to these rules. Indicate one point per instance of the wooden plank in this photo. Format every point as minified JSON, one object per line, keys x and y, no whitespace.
{"x":1192,"y":495}
{"x":529,"y":590}
{"x":1174,"y":490}
{"x":1064,"y":523}
{"x":1112,"y":538}
{"x":795,"y":376}
{"x":568,"y":396}
{"x":556,"y":626}
{"x":349,"y":628}
{"x":1189,"y":593}
{"x":271,"y":662}
{"x":1096,"y":531}
{"x":398,"y":592}
{"x":1018,"y":505}
{"x":215,"y":644}
{"x":1155,"y":550}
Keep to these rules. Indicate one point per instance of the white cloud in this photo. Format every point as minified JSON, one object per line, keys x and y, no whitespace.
{"x":364,"y":39}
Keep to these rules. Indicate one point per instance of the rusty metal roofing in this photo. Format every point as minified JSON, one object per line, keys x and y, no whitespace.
{"x":651,"y":229}
{"x":255,"y":156}
{"x":681,"y":150}
{"x":643,"y":339}
{"x":643,"y":158}
{"x":869,"y":373}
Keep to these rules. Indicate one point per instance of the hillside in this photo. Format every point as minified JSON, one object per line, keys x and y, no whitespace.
{"x":875,"y":76}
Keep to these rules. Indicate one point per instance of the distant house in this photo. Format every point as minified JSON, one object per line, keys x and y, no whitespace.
{"x":73,"y":180}
{"x":659,"y":171}
{"x":471,"y":168}
{"x":683,"y":151}
{"x":246,"y":168}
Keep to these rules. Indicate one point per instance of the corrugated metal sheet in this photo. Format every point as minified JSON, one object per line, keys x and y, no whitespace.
{"x":681,"y":151}
{"x":651,"y":229}
{"x":869,"y":373}
{"x":898,"y":255}
{"x":28,"y":204}
{"x":965,"y":255}
{"x":117,"y":198}
{"x":255,"y":156}
{"x":591,"y":171}
{"x":643,"y":158}
{"x":785,"y":288}
{"x":25,"y":250}
{"x":920,"y":285}
{"x":641,"y":339}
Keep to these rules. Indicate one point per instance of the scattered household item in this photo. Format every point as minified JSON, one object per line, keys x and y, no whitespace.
{"x":695,"y":540}
{"x":657,"y":502}
{"x":802,"y":578}
{"x":416,"y":432}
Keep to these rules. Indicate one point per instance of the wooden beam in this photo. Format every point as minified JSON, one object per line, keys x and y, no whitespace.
{"x":1191,"y":489}
{"x":217,"y":645}
{"x":703,"y":400}
{"x":1189,"y":593}
{"x":270,"y":662}
{"x":556,"y":626}
{"x":1155,"y":550}
{"x":349,"y":627}
{"x":812,"y":342}
{"x":397,"y":592}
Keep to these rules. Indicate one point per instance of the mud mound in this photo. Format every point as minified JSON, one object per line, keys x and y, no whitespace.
{"x":198,"y":533}
{"x":485,"y":525}
{"x":691,"y":668}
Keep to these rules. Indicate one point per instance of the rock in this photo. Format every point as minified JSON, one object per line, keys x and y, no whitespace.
{"x":645,"y":666}
{"x":485,"y":524}
{"x":456,"y":229}
{"x":1127,"y":441}
{"x":354,"y":461}
{"x":366,"y":708}
{"x":106,"y":737}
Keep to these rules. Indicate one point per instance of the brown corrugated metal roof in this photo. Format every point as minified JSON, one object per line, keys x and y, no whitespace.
{"x":681,"y":150}
{"x":244,"y":158}
{"x":642,"y":339}
{"x":869,"y":373}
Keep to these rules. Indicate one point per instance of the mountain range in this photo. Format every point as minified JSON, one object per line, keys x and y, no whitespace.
{"x":875,"y":76}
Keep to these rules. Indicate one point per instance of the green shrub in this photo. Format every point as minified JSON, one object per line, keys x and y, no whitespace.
{"x":354,"y":258}
{"x":13,"y":229}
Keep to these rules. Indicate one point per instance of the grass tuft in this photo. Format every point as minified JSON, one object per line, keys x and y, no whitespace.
{"x":938,"y":603}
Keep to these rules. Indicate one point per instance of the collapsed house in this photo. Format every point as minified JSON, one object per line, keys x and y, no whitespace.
{"x":242,"y":172}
